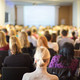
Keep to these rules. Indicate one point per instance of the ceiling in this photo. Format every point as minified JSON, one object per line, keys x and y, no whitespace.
{"x":40,"y":2}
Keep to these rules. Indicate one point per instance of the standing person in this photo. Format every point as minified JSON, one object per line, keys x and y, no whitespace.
{"x":42,"y":57}
{"x":3,"y":43}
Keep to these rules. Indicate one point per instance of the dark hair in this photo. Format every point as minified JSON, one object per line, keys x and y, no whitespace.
{"x":54,"y":36}
{"x":46,"y":32}
{"x":64,"y":32}
{"x":48,"y":36}
{"x":74,"y":37}
{"x":67,"y":54}
{"x":34,"y":30}
{"x":58,"y":32}
{"x":4,"y":30}
{"x":29,"y":33}
{"x":73,"y":33}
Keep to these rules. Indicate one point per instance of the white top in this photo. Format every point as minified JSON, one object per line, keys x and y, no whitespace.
{"x":32,"y":40}
{"x":77,"y":40}
{"x":53,"y":45}
{"x":64,"y":40}
{"x":39,"y":74}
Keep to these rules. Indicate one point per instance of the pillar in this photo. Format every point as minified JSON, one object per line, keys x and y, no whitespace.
{"x":2,"y":12}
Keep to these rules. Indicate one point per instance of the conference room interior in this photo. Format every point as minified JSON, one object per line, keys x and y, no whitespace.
{"x":29,"y":25}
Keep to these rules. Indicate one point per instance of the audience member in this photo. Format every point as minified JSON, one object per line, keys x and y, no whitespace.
{"x":42,"y":57}
{"x":64,"y":39}
{"x":17,"y":59}
{"x":3,"y":43}
{"x":77,"y":44}
{"x":12,"y":32}
{"x":32,"y":39}
{"x":26,"y":47}
{"x":74,"y":36}
{"x":52,"y":45}
{"x":65,"y":59}
{"x":54,"y":37}
{"x":12,"y":40}
{"x":34,"y":33}
{"x":6,"y":33}
{"x":42,"y":41}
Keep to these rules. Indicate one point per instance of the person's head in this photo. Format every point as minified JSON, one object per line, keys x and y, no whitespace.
{"x":73,"y":33}
{"x":15,"y":49}
{"x":42,"y":57}
{"x":46,"y":32}
{"x":3,"y":41}
{"x":5,"y":30}
{"x":42,"y":41}
{"x":67,"y":53}
{"x":48,"y":36}
{"x":23,"y":37}
{"x":14,"y":39}
{"x":64,"y":33}
{"x":12,"y":32}
{"x":54,"y":37}
{"x":34,"y":31}
{"x":58,"y":32}
{"x":29,"y":33}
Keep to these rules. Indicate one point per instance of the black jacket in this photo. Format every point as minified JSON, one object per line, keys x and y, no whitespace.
{"x":19,"y":60}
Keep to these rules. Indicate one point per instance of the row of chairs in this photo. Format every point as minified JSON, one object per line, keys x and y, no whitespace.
{"x":16,"y":73}
{"x":3,"y":54}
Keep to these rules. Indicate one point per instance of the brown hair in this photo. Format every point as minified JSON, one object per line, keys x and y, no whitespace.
{"x":23,"y":37}
{"x":12,"y":32}
{"x":42,"y":41}
{"x":14,"y":39}
{"x":15,"y":48}
{"x":3,"y":41}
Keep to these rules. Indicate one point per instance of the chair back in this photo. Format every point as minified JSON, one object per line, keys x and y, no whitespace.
{"x":3,"y":54}
{"x":62,"y":73}
{"x":13,"y":73}
{"x":76,"y":53}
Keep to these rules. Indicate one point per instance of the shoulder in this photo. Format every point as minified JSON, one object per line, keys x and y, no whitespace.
{"x":56,"y":58}
{"x":8,"y":58}
{"x":26,"y":76}
{"x":54,"y":77}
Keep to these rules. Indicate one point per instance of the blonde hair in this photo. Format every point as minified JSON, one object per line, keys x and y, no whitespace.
{"x":15,"y":48}
{"x":23,"y":37}
{"x":12,"y":32}
{"x":41,"y":54}
{"x":42,"y":41}
{"x":12,"y":40}
{"x":3,"y":41}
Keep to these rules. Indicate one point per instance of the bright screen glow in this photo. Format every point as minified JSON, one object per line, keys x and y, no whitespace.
{"x":39,"y":15}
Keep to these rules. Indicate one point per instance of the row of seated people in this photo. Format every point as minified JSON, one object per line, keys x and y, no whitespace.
{"x":42,"y":57}
{"x":54,"y":41}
